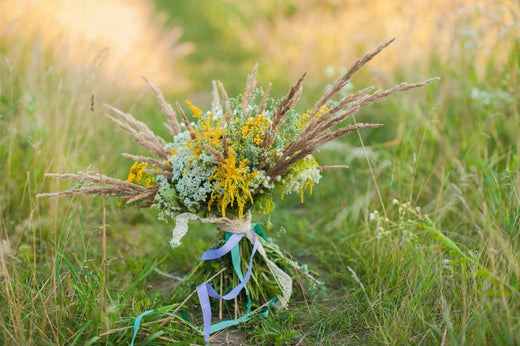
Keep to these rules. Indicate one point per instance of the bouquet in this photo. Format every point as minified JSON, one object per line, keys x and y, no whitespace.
{"x":227,"y":162}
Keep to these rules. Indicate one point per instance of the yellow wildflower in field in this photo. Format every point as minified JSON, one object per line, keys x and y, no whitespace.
{"x":235,"y":181}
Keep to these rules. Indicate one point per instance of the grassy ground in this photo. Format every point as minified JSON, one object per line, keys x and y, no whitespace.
{"x":437,"y":264}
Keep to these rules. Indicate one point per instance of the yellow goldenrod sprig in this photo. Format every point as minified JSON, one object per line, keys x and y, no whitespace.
{"x":234,"y":179}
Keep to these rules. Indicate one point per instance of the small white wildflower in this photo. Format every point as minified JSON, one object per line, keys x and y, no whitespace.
{"x":395,"y":201}
{"x":371,"y":217}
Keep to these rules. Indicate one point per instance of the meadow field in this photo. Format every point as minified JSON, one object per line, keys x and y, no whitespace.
{"x":417,"y":242}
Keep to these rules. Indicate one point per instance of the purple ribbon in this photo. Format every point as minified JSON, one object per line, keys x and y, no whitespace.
{"x":205,"y":290}
{"x":228,"y":246}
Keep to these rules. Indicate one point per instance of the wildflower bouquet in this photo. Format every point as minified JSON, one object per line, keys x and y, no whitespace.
{"x":229,"y":161}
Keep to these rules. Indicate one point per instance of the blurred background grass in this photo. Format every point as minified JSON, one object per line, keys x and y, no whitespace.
{"x":451,"y":149}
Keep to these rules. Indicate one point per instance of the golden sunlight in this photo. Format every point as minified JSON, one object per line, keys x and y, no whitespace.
{"x":123,"y":39}
{"x":323,"y":36}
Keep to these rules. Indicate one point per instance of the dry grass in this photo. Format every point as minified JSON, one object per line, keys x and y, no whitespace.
{"x":123,"y":39}
{"x":308,"y":39}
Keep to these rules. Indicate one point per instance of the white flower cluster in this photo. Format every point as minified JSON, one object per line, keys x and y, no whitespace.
{"x":190,"y":182}
{"x":261,"y":181}
{"x":191,"y":177}
{"x":166,"y":200}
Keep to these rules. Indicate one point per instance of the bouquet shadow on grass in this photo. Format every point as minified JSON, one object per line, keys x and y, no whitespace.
{"x":217,"y":168}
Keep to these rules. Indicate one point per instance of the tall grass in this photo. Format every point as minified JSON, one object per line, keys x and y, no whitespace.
{"x":446,"y":273}
{"x":51,"y":120}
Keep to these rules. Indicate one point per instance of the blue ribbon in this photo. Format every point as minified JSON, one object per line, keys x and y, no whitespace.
{"x":227,"y":247}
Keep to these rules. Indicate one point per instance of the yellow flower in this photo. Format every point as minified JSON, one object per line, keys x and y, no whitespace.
{"x":196,"y":111}
{"x":235,"y":181}
{"x":306,"y":116}
{"x":172,"y":153}
{"x":210,"y":131}
{"x":255,"y":128}
{"x":302,"y":166}
{"x":138,"y":176}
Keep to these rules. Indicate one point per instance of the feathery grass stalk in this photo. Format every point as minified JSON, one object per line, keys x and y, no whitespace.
{"x":167,"y":109}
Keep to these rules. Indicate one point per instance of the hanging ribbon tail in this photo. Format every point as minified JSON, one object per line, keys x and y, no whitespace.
{"x":235,"y":259}
{"x":205,"y":290}
{"x":181,"y":228}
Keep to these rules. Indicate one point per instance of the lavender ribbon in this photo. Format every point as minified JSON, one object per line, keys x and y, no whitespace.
{"x":205,"y":290}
